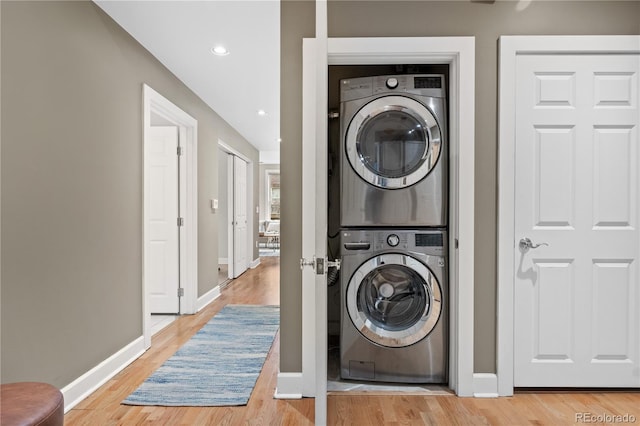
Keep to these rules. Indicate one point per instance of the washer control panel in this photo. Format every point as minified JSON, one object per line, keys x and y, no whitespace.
{"x":393,"y":240}
{"x":426,"y":241}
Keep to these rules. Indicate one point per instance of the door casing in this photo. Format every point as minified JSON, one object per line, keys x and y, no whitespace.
{"x":188,"y":128}
{"x":231,"y":152}
{"x":510,"y":48}
{"x":459,"y":53}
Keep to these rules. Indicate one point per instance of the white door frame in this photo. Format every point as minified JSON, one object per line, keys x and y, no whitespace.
{"x":459,"y":53}
{"x":510,"y":48}
{"x":251,"y":263}
{"x":230,"y":208}
{"x":154,"y":102}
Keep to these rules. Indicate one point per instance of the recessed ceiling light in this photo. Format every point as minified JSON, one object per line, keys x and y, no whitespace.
{"x":220,"y":50}
{"x":262,"y":112}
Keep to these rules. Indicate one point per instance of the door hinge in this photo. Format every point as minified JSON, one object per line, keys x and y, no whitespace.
{"x":179,"y":150}
{"x":180,"y":221}
{"x":180,"y":292}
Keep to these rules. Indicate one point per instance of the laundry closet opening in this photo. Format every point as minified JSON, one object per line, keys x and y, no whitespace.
{"x":388,"y":215}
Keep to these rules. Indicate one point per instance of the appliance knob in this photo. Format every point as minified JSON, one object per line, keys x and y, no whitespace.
{"x":393,"y":240}
{"x":392,"y":83}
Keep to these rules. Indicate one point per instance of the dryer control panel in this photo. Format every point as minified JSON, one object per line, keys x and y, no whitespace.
{"x":432,"y":85}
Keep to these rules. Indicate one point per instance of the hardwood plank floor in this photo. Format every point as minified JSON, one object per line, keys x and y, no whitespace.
{"x":261,"y":286}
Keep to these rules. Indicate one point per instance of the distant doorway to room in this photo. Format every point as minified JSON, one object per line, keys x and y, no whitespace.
{"x":269,"y":211}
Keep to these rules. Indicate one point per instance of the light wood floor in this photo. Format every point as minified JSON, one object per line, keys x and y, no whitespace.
{"x":260,"y":286}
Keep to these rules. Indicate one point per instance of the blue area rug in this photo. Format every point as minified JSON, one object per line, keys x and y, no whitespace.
{"x":219,"y":365}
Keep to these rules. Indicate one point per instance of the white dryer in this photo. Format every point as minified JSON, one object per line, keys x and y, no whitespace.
{"x":393,"y":151}
{"x":395,"y":297}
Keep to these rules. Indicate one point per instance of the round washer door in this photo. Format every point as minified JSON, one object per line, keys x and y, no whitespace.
{"x":393,"y":142}
{"x":394,"y":300}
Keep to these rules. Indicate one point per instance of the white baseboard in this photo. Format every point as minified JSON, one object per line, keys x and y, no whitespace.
{"x":223,"y":261}
{"x":255,"y":263}
{"x":86,"y":384}
{"x":485,"y":385}
{"x":289,"y":386}
{"x":207,"y":298}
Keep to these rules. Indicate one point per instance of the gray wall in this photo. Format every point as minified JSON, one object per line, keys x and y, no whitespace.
{"x":484,"y":20}
{"x":71,"y":177}
{"x":297,"y":20}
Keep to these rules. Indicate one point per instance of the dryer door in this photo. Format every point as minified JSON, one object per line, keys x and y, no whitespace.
{"x":393,"y":142}
{"x":394,"y":300}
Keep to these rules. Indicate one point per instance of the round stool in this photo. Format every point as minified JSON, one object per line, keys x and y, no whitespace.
{"x":30,"y":403}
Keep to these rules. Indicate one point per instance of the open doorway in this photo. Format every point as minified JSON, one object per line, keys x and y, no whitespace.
{"x":170,"y":246}
{"x":269,"y":212}
{"x":224,"y":212}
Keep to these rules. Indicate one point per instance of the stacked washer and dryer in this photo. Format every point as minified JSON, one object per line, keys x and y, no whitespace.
{"x":393,"y":229}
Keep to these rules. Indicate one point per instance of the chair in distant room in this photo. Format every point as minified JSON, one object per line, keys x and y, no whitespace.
{"x":270,"y":234}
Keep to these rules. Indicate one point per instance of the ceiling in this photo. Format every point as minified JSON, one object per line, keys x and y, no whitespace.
{"x":181,"y":34}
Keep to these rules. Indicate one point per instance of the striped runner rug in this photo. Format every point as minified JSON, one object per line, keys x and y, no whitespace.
{"x":219,"y":365}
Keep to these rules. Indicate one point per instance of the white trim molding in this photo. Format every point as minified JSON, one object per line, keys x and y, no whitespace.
{"x":459,"y":54}
{"x":510,"y":48}
{"x":289,"y":386}
{"x":254,"y":263}
{"x":207,"y":298}
{"x":485,"y":385}
{"x":86,"y":384}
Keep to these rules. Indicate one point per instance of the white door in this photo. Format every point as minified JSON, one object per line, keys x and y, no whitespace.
{"x":163,"y":244}
{"x":577,"y":299}
{"x":239,"y":216}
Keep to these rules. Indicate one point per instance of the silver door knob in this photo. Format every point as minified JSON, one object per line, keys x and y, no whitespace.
{"x":526,"y":244}
{"x":304,"y":262}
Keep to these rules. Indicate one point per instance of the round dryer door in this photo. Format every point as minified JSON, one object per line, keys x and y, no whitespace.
{"x":394,"y":300}
{"x":393,"y":142}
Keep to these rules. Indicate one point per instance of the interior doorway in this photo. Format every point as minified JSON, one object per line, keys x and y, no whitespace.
{"x":236,"y":212}
{"x":269,"y":212}
{"x":224,"y":219}
{"x":170,"y":254}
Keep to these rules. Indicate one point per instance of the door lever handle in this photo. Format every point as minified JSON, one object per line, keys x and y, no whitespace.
{"x":526,"y":244}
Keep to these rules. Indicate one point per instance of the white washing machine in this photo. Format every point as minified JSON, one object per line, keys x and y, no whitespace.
{"x":393,"y":151}
{"x":395,"y":295}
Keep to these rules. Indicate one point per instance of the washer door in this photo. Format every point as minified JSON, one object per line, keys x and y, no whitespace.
{"x":394,"y":300}
{"x":393,"y":142}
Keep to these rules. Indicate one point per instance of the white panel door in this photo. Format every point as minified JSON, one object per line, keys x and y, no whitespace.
{"x":577,"y":300}
{"x":163,"y":241}
{"x":239,"y":216}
